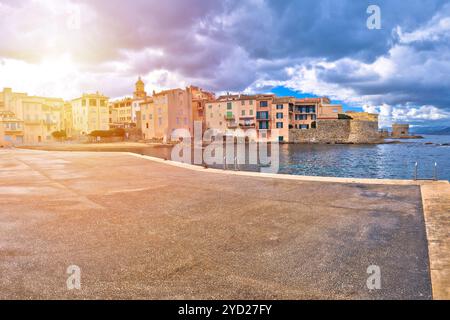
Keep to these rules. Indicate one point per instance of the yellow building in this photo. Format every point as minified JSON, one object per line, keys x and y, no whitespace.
{"x":139,"y":93}
{"x":90,"y":112}
{"x":11,"y":129}
{"x":67,"y":125}
{"x":363,"y":116}
{"x":124,"y":113}
{"x":121,"y":113}
{"x":41,"y":116}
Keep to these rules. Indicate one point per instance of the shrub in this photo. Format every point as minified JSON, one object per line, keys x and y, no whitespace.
{"x":59,"y":134}
{"x":342,"y":116}
{"x":118,"y":132}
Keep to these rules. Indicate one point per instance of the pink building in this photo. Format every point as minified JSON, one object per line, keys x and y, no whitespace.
{"x":165,"y":112}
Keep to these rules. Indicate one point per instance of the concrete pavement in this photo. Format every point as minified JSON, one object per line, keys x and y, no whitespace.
{"x":141,"y":229}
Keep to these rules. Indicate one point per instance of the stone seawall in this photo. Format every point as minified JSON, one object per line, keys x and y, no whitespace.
{"x":338,"y":131}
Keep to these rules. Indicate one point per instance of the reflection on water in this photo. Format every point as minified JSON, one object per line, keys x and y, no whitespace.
{"x":395,"y":161}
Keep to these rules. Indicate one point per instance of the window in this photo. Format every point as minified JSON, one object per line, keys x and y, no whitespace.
{"x":262,"y":115}
{"x":279,"y":125}
{"x":280,"y":139}
{"x":229,"y":106}
{"x":251,"y":102}
{"x":102,"y":103}
{"x":279,"y":107}
{"x":83,"y":102}
{"x":335,"y":110}
{"x":264,"y":125}
{"x":211,"y":115}
{"x":251,"y":112}
{"x":92,"y":102}
{"x":160,"y":121}
{"x":143,"y":117}
{"x":146,"y":125}
{"x":210,"y":106}
{"x":243,"y":112}
{"x":263,"y":104}
{"x":279,"y":115}
{"x":178,"y":120}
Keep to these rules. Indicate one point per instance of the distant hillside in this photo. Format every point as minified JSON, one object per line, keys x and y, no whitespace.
{"x":434,"y":131}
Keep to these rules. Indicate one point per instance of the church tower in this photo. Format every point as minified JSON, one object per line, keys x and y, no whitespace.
{"x":140,"y":93}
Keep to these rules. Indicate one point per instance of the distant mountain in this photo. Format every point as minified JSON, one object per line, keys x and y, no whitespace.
{"x":443,"y":131}
{"x":433,"y":131}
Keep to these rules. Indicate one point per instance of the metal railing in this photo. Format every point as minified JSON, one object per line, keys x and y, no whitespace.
{"x":435,"y":172}
{"x":236,"y":164}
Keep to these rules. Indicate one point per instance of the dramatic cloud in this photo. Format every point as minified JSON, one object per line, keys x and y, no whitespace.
{"x":64,"y":47}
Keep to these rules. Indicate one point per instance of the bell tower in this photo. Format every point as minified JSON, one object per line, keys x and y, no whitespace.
{"x":140,"y":93}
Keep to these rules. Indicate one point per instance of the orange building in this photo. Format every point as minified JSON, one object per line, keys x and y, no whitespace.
{"x":268,"y":113}
{"x":199,"y":99}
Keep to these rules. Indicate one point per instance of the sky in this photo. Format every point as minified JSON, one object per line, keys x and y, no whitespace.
{"x":63,"y":48}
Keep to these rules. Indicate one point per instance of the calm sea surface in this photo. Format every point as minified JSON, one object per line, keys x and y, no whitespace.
{"x":388,"y":161}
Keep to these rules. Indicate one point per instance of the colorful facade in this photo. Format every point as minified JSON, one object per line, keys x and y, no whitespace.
{"x":271,"y":116}
{"x":124,"y":113}
{"x":90,"y":112}
{"x":165,"y":112}
{"x":199,"y":99}
{"x":11,"y":129}
{"x":41,"y":116}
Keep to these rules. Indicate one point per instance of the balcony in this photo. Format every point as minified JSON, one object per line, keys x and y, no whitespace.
{"x":232,"y":125}
{"x":247,"y":125}
{"x":229,"y":117}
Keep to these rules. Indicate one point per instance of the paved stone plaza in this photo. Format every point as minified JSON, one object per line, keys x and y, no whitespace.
{"x":141,"y":229}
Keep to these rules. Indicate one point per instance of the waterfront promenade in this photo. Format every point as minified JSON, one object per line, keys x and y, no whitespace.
{"x":143,"y":229}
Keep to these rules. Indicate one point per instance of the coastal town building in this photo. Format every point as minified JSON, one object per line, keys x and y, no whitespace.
{"x":40,"y":116}
{"x":67,"y":119}
{"x":28,"y":119}
{"x":165,"y":112}
{"x":123,"y":113}
{"x":400,"y":130}
{"x":11,"y":128}
{"x":268,"y":113}
{"x":90,"y":112}
{"x":199,"y":99}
